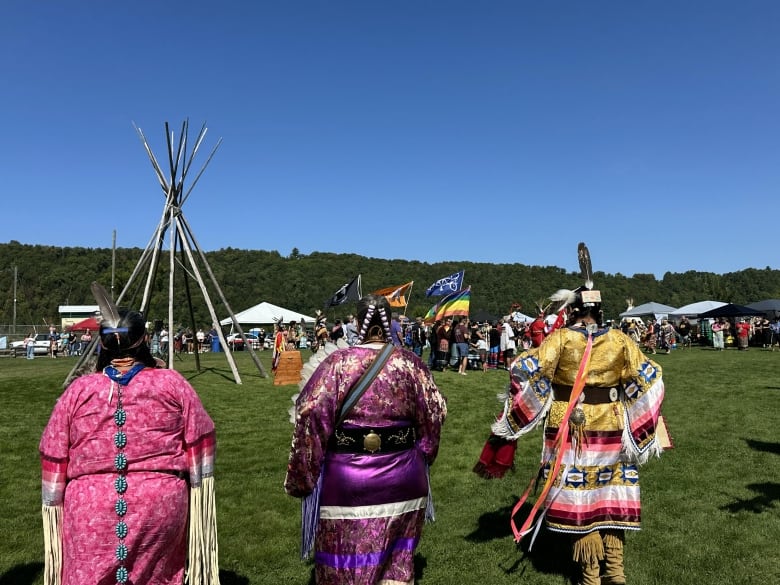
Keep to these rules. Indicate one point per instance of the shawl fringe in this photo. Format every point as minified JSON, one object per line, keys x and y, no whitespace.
{"x":203,"y":552}
{"x":52,"y":544}
{"x":310,"y":514}
{"x":430,"y":512}
{"x":588,"y":549}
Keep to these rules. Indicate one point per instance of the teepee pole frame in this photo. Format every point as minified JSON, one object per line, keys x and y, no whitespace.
{"x":181,"y":238}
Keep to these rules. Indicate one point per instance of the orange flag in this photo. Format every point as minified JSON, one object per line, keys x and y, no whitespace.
{"x":395,"y":295}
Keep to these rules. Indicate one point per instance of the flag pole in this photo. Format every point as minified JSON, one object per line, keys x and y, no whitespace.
{"x":406,"y":306}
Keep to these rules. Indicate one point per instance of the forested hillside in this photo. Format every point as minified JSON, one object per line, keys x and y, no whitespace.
{"x":47,"y":277}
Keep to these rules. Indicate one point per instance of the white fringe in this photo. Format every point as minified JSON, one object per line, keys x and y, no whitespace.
{"x":203,"y":553}
{"x":311,"y":366}
{"x":52,"y":544}
{"x":501,"y":427}
{"x":633,"y":455}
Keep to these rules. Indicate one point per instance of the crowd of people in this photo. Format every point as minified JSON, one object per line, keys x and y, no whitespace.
{"x":665,"y":335}
{"x":367,"y":425}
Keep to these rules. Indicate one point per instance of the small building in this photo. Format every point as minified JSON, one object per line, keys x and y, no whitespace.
{"x":70,"y":314}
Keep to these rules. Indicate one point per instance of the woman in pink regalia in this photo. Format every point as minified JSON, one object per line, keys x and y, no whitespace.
{"x":128,"y":461}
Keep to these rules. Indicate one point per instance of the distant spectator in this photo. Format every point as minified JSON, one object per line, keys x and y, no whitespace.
{"x":396,"y":331}
{"x":164,"y":339}
{"x":350,"y":330}
{"x":743,"y":334}
{"x":684,"y":331}
{"x":774,"y":331}
{"x":291,"y":336}
{"x":494,"y":345}
{"x":461,"y":338}
{"x":418,"y":336}
{"x":53,"y":339}
{"x":86,"y":339}
{"x":337,"y":331}
{"x":651,"y":336}
{"x":717,"y":334}
{"x":507,"y":342}
{"x":668,"y":335}
{"x":29,"y":345}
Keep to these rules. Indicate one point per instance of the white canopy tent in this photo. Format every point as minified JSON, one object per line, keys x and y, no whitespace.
{"x":519,"y":317}
{"x":657,"y":310}
{"x":695,"y":309}
{"x":267,"y":314}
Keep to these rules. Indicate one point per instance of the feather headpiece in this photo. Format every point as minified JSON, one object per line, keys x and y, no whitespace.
{"x":564,"y":298}
{"x":109,"y":313}
{"x":586,"y":269}
{"x":584,"y":293}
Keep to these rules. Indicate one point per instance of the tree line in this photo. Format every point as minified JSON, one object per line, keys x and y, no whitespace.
{"x":46,"y":277}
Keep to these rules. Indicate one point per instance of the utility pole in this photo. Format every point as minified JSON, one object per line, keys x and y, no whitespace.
{"x":13,"y":327}
{"x":113,"y":263}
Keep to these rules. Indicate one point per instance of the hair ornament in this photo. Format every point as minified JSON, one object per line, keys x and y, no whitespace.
{"x":385,"y":322}
{"x":366,"y":321}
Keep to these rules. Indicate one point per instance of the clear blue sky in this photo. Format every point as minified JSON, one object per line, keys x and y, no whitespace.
{"x":502,"y":131}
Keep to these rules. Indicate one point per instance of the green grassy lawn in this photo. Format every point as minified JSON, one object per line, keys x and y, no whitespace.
{"x":710,"y":505}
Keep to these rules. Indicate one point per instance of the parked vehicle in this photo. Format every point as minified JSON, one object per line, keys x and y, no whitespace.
{"x":235,"y":342}
{"x":42,"y":345}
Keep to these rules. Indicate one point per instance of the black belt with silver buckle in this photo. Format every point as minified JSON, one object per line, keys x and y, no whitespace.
{"x":590,"y":394}
{"x":371,"y":440}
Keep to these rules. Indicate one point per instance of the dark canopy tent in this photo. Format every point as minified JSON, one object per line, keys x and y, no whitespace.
{"x":483,"y":315}
{"x":769,"y":307}
{"x":730,"y":310}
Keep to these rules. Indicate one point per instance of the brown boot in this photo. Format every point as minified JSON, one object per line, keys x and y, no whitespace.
{"x":590,"y":574}
{"x":613,"y":558}
{"x":588,"y":550}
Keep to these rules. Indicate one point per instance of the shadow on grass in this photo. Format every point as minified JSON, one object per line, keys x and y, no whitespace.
{"x":420,"y":564}
{"x":493,"y":525}
{"x":763,"y":446}
{"x":231,"y":578}
{"x":767,"y":494}
{"x":21,"y":574}
{"x":226,"y":374}
{"x":551,"y":552}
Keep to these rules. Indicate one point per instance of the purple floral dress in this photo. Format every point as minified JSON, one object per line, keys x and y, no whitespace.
{"x":372,"y":506}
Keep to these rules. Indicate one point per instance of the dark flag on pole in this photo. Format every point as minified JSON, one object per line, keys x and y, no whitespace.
{"x":447,"y":285}
{"x":348,"y":292}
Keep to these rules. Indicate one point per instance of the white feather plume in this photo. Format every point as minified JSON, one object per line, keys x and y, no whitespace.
{"x":564,"y":297}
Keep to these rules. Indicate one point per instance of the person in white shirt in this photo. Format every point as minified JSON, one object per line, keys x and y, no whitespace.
{"x":164,"y":340}
{"x":507,"y":341}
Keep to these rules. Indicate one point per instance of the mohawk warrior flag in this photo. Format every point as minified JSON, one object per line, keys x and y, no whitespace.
{"x":453,"y":305}
{"x":395,"y":295}
{"x":348,"y":292}
{"x":447,"y":285}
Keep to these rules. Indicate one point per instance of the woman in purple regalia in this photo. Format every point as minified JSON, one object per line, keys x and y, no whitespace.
{"x":127,"y":461}
{"x":363,"y":469}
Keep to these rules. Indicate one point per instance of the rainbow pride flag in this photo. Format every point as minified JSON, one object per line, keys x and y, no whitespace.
{"x":453,"y":305}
